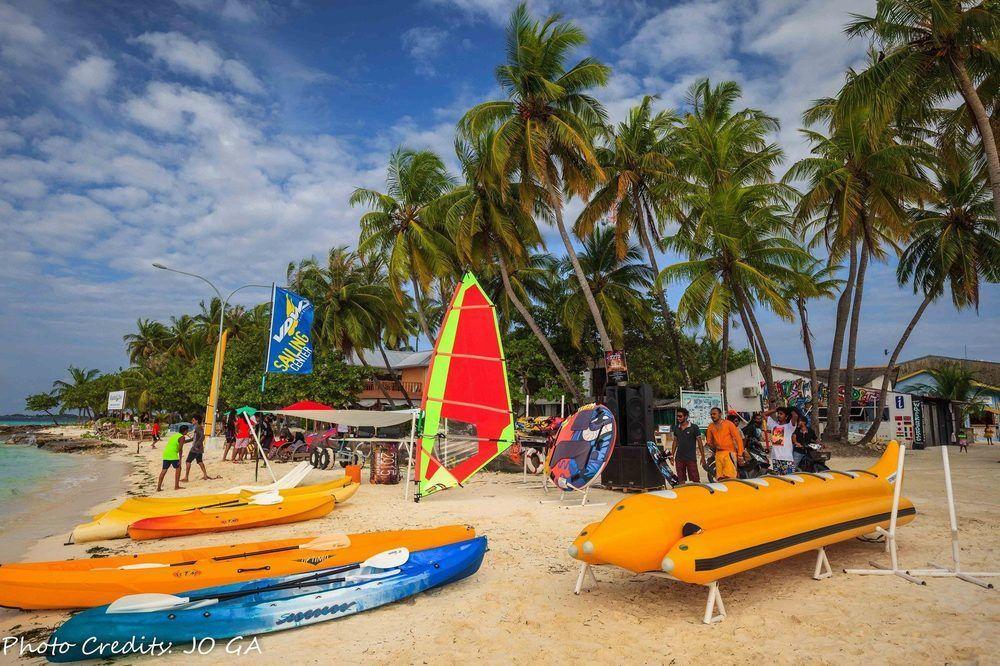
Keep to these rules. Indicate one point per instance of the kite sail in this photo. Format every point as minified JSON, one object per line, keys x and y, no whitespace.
{"x":466,"y":401}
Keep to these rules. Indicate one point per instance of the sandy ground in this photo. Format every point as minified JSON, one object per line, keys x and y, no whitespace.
{"x":520,"y":606}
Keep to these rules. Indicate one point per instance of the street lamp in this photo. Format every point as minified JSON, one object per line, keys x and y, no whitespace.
{"x":217,"y":369}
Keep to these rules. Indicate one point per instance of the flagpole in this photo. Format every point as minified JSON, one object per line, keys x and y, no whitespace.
{"x":270,"y":336}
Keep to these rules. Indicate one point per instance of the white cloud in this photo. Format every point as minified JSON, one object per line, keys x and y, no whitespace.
{"x":201,"y":59}
{"x":91,"y":76}
{"x":423,"y":44}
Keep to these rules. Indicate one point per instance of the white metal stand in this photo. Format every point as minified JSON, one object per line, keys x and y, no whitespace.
{"x":714,"y":601}
{"x":823,"y":569}
{"x":890,"y":535}
{"x":583,"y":501}
{"x":956,"y":570}
{"x":584,"y":570}
{"x":260,"y":448}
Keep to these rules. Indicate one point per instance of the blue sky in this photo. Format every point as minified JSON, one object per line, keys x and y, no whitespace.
{"x":224,"y":137}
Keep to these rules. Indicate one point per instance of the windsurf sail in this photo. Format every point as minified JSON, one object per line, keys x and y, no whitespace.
{"x":466,"y":400}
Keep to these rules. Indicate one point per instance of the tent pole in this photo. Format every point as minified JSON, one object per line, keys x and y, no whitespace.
{"x":260,"y":450}
{"x":409,"y":456}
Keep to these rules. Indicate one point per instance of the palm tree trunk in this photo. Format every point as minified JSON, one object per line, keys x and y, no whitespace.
{"x":831,"y":432}
{"x":588,"y":295}
{"x":668,"y":316}
{"x":982,"y":119}
{"x":377,"y":381}
{"x":813,"y":375}
{"x":418,"y":306}
{"x":852,"y":344}
{"x":873,"y":428}
{"x":768,"y":368}
{"x":725,"y":363}
{"x":388,"y":366}
{"x":751,"y":338}
{"x":567,"y":380}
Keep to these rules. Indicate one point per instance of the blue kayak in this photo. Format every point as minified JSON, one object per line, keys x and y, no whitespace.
{"x":249,"y":608}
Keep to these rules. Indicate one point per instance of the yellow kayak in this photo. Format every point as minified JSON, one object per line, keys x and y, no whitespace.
{"x":114,"y":524}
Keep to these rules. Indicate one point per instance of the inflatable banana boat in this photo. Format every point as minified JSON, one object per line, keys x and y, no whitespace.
{"x":699,"y":533}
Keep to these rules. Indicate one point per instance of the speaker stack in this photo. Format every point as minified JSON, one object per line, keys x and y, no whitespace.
{"x":631,"y":467}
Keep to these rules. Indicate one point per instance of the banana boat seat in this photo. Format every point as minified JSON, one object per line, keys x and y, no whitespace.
{"x":701,"y":533}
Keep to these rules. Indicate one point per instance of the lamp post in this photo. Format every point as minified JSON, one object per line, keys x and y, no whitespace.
{"x":217,"y":369}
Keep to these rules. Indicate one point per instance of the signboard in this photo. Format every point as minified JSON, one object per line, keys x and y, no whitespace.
{"x":918,"y":423}
{"x":289,"y":347}
{"x":699,"y":405}
{"x":116,"y":401}
{"x":616,"y":367}
{"x":900,"y":401}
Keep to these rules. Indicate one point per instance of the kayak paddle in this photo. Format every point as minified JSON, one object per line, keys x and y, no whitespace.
{"x":142,"y":603}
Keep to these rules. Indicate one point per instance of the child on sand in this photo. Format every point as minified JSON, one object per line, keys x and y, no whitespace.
{"x":172,"y":457}
{"x":156,"y":432}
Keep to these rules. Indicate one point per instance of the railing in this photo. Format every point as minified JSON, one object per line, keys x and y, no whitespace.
{"x":392,"y":386}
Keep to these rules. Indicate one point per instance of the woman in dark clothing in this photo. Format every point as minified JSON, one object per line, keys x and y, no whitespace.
{"x":230,"y":433}
{"x":802,"y":437}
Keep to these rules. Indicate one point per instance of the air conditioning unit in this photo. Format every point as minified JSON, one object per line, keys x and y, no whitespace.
{"x":751,"y":391}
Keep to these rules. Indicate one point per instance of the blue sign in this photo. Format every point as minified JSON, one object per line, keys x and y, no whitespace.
{"x":289,"y":349}
{"x":900,"y":402}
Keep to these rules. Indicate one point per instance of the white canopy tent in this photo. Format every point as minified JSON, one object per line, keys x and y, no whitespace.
{"x":350,"y":417}
{"x":365,"y":418}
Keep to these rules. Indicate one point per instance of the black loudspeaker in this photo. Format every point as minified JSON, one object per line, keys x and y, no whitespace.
{"x":632,"y":406}
{"x":631,"y":468}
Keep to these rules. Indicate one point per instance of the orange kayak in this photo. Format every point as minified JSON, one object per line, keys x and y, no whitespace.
{"x":94,"y":582}
{"x":239,"y":516}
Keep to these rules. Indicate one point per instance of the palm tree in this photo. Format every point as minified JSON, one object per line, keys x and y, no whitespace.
{"x":185,"y":339}
{"x":812,"y":279}
{"x":726,"y":164}
{"x":635,"y":162}
{"x":931,"y":50}
{"x":616,"y":282}
{"x":400,"y":226}
{"x":489,"y":227}
{"x":72,"y":393}
{"x":147,"y":342}
{"x":349,"y":313}
{"x":741,"y":261}
{"x":857,"y":181}
{"x":955,"y":245}
{"x":544,"y":127}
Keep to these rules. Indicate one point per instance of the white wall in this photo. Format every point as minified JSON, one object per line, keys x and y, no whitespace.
{"x":747,"y":376}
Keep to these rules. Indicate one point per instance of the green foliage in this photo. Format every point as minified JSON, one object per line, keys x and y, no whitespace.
{"x":41,"y":402}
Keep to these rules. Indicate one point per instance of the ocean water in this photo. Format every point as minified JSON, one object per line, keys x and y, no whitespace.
{"x":44,"y":494}
{"x":62,"y":420}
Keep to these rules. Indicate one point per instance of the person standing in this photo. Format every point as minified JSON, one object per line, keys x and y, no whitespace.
{"x":197,"y":452}
{"x":780,"y":440}
{"x":988,"y":433}
{"x":172,"y":451}
{"x":242,"y":439}
{"x":727,"y":441}
{"x":155,"y":430}
{"x":230,"y":435}
{"x":687,"y":438}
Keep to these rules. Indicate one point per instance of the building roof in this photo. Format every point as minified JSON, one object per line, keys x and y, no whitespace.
{"x":397,"y":359}
{"x":985,"y":372}
{"x":862,"y":374}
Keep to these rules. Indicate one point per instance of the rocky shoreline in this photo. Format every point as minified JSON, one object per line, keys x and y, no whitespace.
{"x":40,"y":436}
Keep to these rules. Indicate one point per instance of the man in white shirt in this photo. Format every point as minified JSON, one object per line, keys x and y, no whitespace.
{"x":780,"y":429}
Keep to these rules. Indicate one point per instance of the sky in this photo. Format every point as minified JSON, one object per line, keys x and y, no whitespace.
{"x":224,"y":137}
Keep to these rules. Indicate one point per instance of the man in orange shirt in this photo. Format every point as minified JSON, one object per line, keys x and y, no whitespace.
{"x":727,"y":441}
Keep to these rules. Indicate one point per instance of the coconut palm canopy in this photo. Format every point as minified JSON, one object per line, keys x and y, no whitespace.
{"x":693,"y":230}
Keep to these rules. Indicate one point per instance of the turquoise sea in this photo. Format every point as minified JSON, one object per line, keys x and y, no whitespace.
{"x":41,"y":421}
{"x":23,"y":469}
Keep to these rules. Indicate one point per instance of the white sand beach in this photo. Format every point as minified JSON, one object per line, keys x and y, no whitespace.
{"x":520,"y":607}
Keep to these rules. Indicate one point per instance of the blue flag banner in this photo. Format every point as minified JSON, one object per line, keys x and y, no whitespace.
{"x":289,"y":349}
